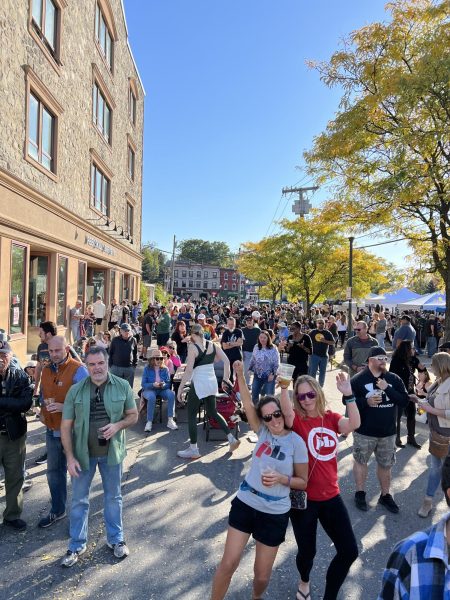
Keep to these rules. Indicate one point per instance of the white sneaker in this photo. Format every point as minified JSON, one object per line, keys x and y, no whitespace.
{"x":189,"y":453}
{"x":171,"y":423}
{"x":234,"y":444}
{"x":252,"y":437}
{"x":148,"y":426}
{"x":425,"y":509}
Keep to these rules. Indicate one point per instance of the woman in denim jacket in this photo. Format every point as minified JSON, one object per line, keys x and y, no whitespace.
{"x":156,"y":382}
{"x":264,"y":366}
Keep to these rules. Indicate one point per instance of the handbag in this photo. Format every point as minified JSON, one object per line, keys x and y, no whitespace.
{"x":439,"y":444}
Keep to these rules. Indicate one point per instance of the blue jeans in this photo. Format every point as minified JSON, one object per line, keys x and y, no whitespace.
{"x":318,"y":362}
{"x":260,"y":385}
{"x":434,"y":475}
{"x":380,"y":339}
{"x":431,"y":345}
{"x":56,"y":473}
{"x":112,"y":504}
{"x":150,"y":396}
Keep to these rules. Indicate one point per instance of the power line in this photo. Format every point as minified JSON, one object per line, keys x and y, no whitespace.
{"x":272,"y":223}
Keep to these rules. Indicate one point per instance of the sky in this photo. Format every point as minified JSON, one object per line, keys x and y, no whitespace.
{"x":230,"y":107}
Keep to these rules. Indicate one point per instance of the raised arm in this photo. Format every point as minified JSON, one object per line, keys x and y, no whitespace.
{"x":353,"y":421}
{"x":250,"y":411}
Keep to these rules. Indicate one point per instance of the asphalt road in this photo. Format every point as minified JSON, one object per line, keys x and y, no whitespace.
{"x":175,"y":519}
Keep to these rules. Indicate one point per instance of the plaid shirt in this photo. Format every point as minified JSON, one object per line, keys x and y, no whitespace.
{"x":418,"y":567}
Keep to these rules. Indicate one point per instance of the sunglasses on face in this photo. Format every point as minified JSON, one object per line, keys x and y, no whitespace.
{"x":358,"y":329}
{"x":303,"y":397}
{"x":382,"y":358}
{"x":158,"y":357}
{"x":276,"y":415}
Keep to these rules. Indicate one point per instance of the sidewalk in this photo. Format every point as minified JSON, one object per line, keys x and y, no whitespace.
{"x":175,"y":518}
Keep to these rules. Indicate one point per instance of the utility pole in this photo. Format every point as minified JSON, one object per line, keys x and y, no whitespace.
{"x":173,"y":265}
{"x":239,"y":280}
{"x":350,"y":286}
{"x":301,"y":206}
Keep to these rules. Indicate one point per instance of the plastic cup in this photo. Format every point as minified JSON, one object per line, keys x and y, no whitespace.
{"x":285,"y":373}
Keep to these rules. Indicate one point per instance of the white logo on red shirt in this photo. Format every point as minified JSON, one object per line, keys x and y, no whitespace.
{"x":322,"y":443}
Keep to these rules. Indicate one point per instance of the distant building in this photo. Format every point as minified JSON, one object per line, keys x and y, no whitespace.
{"x":71,"y":111}
{"x":232,"y":283}
{"x":194,"y":280}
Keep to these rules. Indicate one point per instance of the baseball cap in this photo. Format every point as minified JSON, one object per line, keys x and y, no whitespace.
{"x":125,"y":327}
{"x":256,"y":314}
{"x":281,"y":324}
{"x":5,"y":348}
{"x":201,"y":316}
{"x":444,"y":346}
{"x":31,"y":363}
{"x":376,"y":351}
{"x":406,"y":318}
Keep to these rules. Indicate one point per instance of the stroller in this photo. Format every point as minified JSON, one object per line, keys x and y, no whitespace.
{"x":230,"y":407}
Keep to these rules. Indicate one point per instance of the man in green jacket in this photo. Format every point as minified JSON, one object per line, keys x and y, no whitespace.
{"x":95,"y":415}
{"x":163,"y":327}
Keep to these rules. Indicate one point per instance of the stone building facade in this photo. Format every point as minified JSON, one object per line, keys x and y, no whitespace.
{"x":71,"y":114}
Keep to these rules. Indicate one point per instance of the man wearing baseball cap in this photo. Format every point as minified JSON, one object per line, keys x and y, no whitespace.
{"x":210,"y":332}
{"x":123,"y":354}
{"x":379,"y":394}
{"x":16,"y":396}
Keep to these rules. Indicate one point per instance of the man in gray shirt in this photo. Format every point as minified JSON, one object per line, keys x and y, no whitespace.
{"x":357,"y":349}
{"x":405,"y":332}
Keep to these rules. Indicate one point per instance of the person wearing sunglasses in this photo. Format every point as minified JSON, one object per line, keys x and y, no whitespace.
{"x":357,"y":348}
{"x":156,"y":383}
{"x":320,"y":428}
{"x":379,"y":395}
{"x":261,"y":506}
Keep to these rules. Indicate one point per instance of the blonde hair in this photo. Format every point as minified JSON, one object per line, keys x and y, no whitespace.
{"x":320,"y":396}
{"x":197,"y":329}
{"x":441,"y":365}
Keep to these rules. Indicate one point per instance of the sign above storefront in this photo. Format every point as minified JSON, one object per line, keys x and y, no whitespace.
{"x":98,"y":245}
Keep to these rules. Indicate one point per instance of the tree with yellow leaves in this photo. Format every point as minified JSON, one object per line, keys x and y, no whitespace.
{"x":387,"y":151}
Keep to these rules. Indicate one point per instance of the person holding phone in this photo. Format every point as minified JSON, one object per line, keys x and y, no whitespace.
{"x":261,"y":506}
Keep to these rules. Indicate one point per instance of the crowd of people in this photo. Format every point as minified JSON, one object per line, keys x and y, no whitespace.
{"x":84,"y":396}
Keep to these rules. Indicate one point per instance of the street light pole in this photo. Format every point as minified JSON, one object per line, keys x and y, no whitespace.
{"x":173,"y":265}
{"x":350,"y":286}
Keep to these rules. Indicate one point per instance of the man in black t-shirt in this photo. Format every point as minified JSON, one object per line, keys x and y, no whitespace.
{"x":232,"y":341}
{"x":147,"y":328}
{"x":321,"y":339}
{"x":251,"y":333}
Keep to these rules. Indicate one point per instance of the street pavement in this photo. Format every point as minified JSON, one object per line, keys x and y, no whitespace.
{"x":175,"y":519}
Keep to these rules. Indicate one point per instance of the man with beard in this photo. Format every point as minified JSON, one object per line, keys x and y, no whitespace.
{"x":379,"y":394}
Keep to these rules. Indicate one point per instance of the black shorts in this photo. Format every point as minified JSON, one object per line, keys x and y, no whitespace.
{"x":268,"y":529}
{"x":98,"y":321}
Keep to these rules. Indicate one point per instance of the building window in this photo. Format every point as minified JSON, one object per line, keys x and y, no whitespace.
{"x":175,"y":283}
{"x":17,"y":294}
{"x":233,"y":287}
{"x":101,"y":113}
{"x":191,"y":283}
{"x":81,"y":282}
{"x":234,"y":276}
{"x":41,"y":133}
{"x":130,"y":218}
{"x":225,"y":286}
{"x":175,"y":273}
{"x":191,"y":273}
{"x":45,"y":19}
{"x":199,"y":274}
{"x":131,"y":162}
{"x":100,"y":185}
{"x":132,"y":105}
{"x":37,"y":289}
{"x":103,"y":37}
{"x":225,"y":276}
{"x":183,"y":284}
{"x":183,"y":273}
{"x":214,"y":285}
{"x":214,"y":274}
{"x":126,"y":287}
{"x":205,"y":274}
{"x":121,"y":288}
{"x":198,"y":284}
{"x":61,"y":309}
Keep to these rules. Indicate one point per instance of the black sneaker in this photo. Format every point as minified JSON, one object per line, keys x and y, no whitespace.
{"x":360,"y":501}
{"x":16,"y":524}
{"x":41,"y":460}
{"x":50,"y":519}
{"x":388,"y":501}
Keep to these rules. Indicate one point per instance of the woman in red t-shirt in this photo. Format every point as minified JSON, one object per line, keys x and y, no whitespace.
{"x":319,"y":428}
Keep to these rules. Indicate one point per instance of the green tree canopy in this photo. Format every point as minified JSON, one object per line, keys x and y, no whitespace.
{"x":387,"y":150}
{"x":152,"y":264}
{"x":201,"y":251}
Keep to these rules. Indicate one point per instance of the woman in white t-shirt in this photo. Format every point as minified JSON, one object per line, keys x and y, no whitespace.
{"x":262,"y":504}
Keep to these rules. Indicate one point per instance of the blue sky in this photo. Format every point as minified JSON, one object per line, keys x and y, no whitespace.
{"x":230,"y":107}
